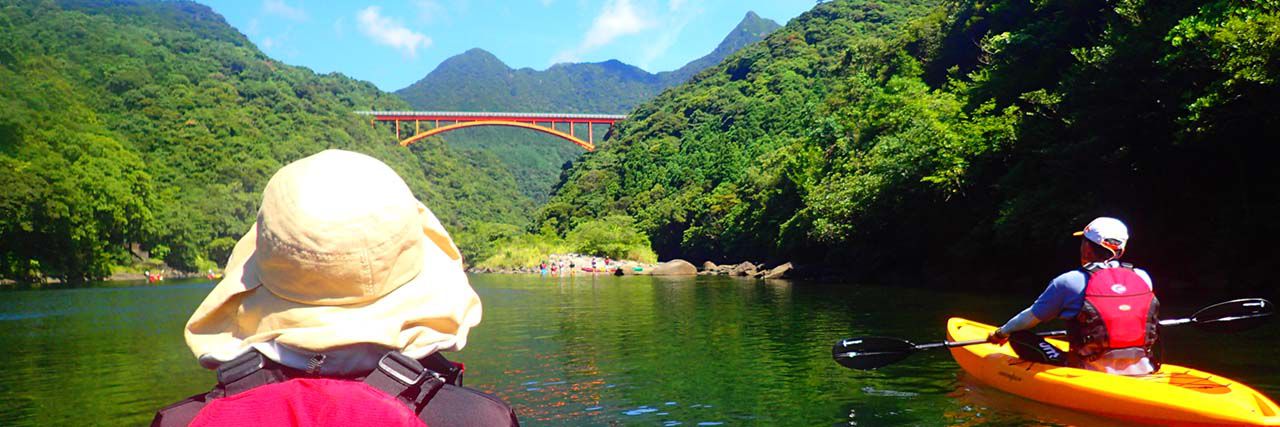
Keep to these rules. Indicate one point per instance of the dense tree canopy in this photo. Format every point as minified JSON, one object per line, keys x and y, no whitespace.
{"x":154,"y":125}
{"x":910,"y":138}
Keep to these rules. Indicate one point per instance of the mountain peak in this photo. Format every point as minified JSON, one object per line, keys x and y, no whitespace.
{"x":751,"y":29}
{"x":474,"y":58}
{"x":475,"y":51}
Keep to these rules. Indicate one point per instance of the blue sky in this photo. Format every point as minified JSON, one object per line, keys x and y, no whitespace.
{"x":395,"y":43}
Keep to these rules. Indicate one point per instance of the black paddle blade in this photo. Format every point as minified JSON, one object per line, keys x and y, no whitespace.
{"x":1234,"y":316}
{"x":1033,"y":348}
{"x":870,"y":352}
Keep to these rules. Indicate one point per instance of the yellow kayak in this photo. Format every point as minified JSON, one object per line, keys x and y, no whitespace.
{"x":1175,"y":395}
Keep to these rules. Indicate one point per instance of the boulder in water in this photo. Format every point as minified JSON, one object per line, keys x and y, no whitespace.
{"x":675,"y":267}
{"x":779,"y":272}
{"x":744,"y":269}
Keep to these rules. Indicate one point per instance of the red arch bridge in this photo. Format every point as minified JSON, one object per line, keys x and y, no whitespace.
{"x":429,"y":123}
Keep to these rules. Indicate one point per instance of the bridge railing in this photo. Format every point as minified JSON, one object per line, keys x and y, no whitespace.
{"x":461,"y":114}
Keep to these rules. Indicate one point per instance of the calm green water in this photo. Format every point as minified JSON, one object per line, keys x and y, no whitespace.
{"x":593,"y":351}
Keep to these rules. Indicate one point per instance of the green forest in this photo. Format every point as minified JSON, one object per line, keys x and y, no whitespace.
{"x":909,"y":140}
{"x":918,"y":140}
{"x":137,"y":127}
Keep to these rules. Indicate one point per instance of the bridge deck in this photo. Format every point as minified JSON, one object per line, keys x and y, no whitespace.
{"x":477,"y":115}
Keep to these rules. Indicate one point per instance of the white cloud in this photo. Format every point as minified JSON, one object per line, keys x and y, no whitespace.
{"x":660,"y":45}
{"x":546,"y":3}
{"x":682,"y":13}
{"x":391,"y":32}
{"x":565,"y":56}
{"x":282,"y":9}
{"x":340,"y":27}
{"x":618,"y":18}
{"x":269,"y":43}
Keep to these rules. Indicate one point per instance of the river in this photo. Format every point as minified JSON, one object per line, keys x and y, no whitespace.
{"x":595,"y":351}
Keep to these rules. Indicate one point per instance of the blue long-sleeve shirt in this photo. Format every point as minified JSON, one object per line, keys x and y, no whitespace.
{"x":1065,"y":294}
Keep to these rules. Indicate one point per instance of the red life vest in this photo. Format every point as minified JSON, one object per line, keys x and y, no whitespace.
{"x":309,"y":402}
{"x":1119,"y":311}
{"x":255,"y":391}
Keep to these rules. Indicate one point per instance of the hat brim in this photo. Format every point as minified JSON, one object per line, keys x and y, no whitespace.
{"x":433,"y":311}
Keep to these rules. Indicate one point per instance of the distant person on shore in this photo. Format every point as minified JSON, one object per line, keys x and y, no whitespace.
{"x":334,"y":309}
{"x":1110,"y":307}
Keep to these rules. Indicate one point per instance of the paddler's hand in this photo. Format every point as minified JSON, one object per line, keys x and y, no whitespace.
{"x":997,"y":337}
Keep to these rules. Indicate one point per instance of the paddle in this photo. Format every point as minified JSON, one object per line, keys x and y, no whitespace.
{"x":874,"y":352}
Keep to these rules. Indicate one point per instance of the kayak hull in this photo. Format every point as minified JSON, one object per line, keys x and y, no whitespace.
{"x":1175,"y":395}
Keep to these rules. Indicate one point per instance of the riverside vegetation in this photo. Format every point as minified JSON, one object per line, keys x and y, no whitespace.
{"x":913,"y":138}
{"x":917,"y":140}
{"x":155,"y":125}
{"x":137,"y":134}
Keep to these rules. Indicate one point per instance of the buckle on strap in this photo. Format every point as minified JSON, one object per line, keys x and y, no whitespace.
{"x":240,"y":367}
{"x":402,"y":368}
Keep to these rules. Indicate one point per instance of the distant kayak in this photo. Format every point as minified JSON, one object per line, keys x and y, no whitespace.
{"x":1174,"y":395}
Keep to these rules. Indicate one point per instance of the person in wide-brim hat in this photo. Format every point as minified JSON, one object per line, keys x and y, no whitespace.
{"x":341,"y":256}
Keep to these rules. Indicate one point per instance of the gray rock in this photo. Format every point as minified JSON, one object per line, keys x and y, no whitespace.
{"x":675,"y":267}
{"x":779,"y":272}
{"x":744,"y":269}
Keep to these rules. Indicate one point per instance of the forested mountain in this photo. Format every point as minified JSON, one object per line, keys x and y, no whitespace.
{"x":962,"y":141}
{"x":155,"y":125}
{"x":476,"y":80}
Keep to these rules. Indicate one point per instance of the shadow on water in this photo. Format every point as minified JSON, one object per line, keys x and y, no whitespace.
{"x":590,"y":351}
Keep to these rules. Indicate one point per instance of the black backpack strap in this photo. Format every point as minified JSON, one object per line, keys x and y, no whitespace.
{"x":405,"y":379}
{"x":247,"y":371}
{"x":464,"y":407}
{"x":451,"y":372}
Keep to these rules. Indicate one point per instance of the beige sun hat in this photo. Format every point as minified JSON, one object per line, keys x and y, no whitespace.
{"x":341,"y":254}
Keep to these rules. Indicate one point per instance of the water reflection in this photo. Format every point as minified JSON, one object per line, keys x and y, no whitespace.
{"x":592,"y":351}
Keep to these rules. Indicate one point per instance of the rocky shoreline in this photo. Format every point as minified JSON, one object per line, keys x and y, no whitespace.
{"x":574,"y":264}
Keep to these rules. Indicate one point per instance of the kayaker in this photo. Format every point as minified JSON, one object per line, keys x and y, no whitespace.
{"x":1110,"y":307}
{"x":334,"y":308}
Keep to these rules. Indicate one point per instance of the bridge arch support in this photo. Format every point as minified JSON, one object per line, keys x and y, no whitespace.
{"x":463,"y":125}
{"x":538,"y":122}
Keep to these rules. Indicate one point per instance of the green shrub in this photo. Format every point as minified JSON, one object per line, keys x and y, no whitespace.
{"x":614,"y":236}
{"x":525,"y":250}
